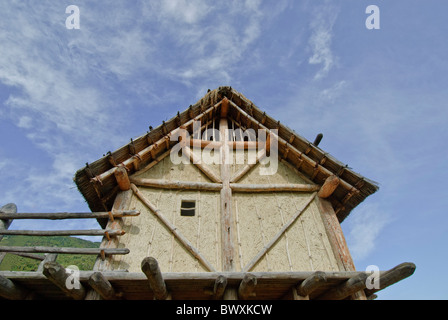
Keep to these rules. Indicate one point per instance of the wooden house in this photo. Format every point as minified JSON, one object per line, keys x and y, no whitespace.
{"x":220,"y":202}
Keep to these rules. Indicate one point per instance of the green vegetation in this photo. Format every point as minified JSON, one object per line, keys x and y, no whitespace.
{"x":16,"y":263}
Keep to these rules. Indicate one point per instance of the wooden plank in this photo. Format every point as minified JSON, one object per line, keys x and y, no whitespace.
{"x":150,"y":268}
{"x":228,"y":251}
{"x":183,"y":185}
{"x":238,"y":187}
{"x":71,"y":215}
{"x":58,"y":276}
{"x":195,"y":252}
{"x":12,"y":291}
{"x":44,"y":233}
{"x":266,"y":248}
{"x":64,"y":250}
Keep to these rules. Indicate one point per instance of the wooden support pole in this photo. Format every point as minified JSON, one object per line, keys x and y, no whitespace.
{"x":102,"y":286}
{"x":59,"y":276}
{"x":5,"y":222}
{"x":227,"y":231}
{"x":71,"y":215}
{"x":347,"y":288}
{"x":183,"y":185}
{"x":44,"y":233}
{"x":121,"y":174}
{"x":88,"y":251}
{"x":12,"y":291}
{"x":310,"y":284}
{"x":49,"y":257}
{"x":329,"y":186}
{"x":237,"y":187}
{"x":224,"y":107}
{"x":150,"y":268}
{"x":392,"y":276}
{"x":247,"y":286}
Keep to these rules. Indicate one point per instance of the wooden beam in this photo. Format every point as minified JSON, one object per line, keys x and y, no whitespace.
{"x":59,"y":276}
{"x":150,"y":268}
{"x":392,"y":276}
{"x":347,"y":288}
{"x":329,"y":186}
{"x":237,"y":187}
{"x":227,"y":231}
{"x":310,"y":284}
{"x":87,"y":251}
{"x":71,"y":215}
{"x":247,"y":286}
{"x":121,"y":175}
{"x":224,"y":108}
{"x":267,"y":247}
{"x":184,"y":241}
{"x":43,"y":233}
{"x":102,"y":286}
{"x":12,"y":291}
{"x":183,"y":185}
{"x":219,"y":287}
{"x":189,"y":154}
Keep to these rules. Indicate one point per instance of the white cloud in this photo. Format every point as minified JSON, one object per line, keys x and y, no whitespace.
{"x":321,"y":38}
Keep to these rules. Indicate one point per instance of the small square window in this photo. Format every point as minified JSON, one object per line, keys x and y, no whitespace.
{"x":188,"y":208}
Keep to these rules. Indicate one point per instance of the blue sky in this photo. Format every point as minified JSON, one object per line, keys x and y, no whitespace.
{"x":378,"y":96}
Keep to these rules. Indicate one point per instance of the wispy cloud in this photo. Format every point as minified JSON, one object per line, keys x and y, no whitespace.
{"x":321,"y":39}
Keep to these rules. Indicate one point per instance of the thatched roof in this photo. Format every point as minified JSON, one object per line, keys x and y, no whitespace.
{"x":99,"y":187}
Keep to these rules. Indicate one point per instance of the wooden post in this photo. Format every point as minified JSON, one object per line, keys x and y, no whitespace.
{"x":102,"y":286}
{"x":310,"y":284}
{"x":226,"y":202}
{"x":329,"y":186}
{"x":347,"y":288}
{"x":11,"y":291}
{"x":49,"y":257}
{"x":58,"y":275}
{"x":9,"y":208}
{"x":121,"y":175}
{"x":247,"y":286}
{"x":224,"y":107}
{"x":151,"y":269}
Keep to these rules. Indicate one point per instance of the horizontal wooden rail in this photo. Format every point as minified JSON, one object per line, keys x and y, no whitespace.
{"x":69,"y":215}
{"x":165,"y":184}
{"x":238,"y":187}
{"x":44,"y":233}
{"x":87,"y":251}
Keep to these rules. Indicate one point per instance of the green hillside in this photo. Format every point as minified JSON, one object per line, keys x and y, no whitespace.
{"x":15,"y":263}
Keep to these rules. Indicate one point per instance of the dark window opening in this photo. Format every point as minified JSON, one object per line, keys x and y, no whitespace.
{"x":188,"y":208}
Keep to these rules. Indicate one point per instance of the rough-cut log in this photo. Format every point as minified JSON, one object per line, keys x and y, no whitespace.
{"x":187,"y":244}
{"x":310,"y":284}
{"x":49,"y":257}
{"x":59,"y":276}
{"x":11,"y":291}
{"x":392,"y":276}
{"x":219,"y":287}
{"x":102,"y":286}
{"x":267,"y":247}
{"x":247,"y":286}
{"x":121,"y":174}
{"x":88,"y":251}
{"x":44,"y":233}
{"x":224,"y":108}
{"x":346,"y":289}
{"x":238,"y":187}
{"x":70,"y":215}
{"x":166,"y":184}
{"x":329,"y":186}
{"x":151,"y":269}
